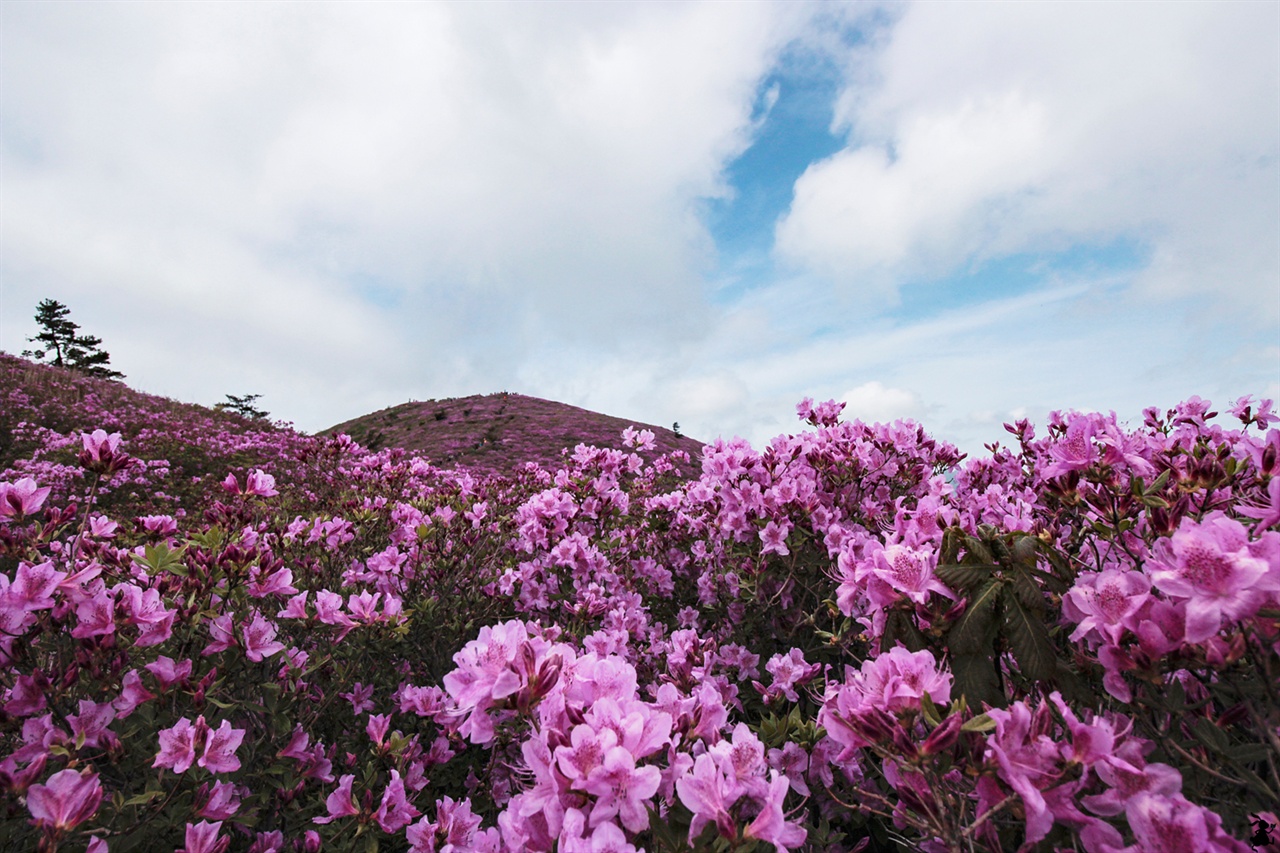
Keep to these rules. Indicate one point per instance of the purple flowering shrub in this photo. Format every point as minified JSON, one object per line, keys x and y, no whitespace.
{"x":220,"y":636}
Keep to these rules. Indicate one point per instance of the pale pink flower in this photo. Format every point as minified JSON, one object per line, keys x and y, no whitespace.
{"x":622,"y":789}
{"x":1210,"y":565}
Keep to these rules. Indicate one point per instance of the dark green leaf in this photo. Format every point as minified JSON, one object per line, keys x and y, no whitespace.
{"x":974,"y":630}
{"x":1248,"y":753}
{"x":976,"y":679}
{"x":1029,"y":640}
{"x":963,"y":578}
{"x":1210,"y":735}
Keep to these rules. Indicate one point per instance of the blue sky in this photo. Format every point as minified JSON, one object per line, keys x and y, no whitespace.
{"x":961,"y":213}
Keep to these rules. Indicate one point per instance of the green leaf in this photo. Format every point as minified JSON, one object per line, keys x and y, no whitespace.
{"x":963,"y":578}
{"x":143,"y":798}
{"x":1248,"y":753}
{"x":973,"y":631}
{"x":160,"y":559}
{"x":976,"y":679}
{"x":980,"y":723}
{"x":1029,"y":640}
{"x":1210,"y":734}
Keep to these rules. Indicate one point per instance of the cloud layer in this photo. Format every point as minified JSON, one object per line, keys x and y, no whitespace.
{"x":344,"y":206}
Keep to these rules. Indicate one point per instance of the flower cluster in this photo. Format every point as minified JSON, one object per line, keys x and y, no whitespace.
{"x":220,"y":635}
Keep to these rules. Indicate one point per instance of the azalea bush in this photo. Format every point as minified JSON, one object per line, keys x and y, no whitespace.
{"x":219,"y":636}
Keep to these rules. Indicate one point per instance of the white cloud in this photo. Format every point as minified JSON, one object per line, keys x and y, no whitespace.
{"x":233,"y":175}
{"x":871,"y":402}
{"x":980,"y":129}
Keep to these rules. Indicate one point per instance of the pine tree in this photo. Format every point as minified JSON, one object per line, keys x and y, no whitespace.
{"x":243,"y":406}
{"x":59,"y":338}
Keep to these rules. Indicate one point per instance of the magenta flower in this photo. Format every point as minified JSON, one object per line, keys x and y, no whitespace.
{"x":178,"y":746}
{"x":260,"y":638}
{"x":341,"y":803}
{"x":261,"y":484}
{"x":706,"y":793}
{"x":205,"y":837}
{"x":221,"y":801}
{"x":774,"y":537}
{"x":771,"y":824}
{"x":1162,"y":824}
{"x":1101,"y":604}
{"x":621,"y":789}
{"x":908,"y":571}
{"x":21,"y":498}
{"x":95,"y":616}
{"x":220,"y":749}
{"x":66,"y":800}
{"x":395,"y":812}
{"x":1210,"y":565}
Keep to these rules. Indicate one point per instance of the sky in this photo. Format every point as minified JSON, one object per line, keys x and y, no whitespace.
{"x":959,"y":213}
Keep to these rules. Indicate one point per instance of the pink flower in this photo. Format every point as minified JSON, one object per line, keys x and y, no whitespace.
{"x":220,"y":749}
{"x":395,"y":811}
{"x":907,"y":571}
{"x":1164,"y":824}
{"x":1268,"y":514}
{"x":341,"y":803}
{"x":90,"y":726}
{"x":222,"y":632}
{"x":21,"y":498}
{"x":260,"y":639}
{"x":621,"y":789}
{"x":774,"y":537}
{"x":178,"y":746}
{"x":1101,"y":603}
{"x":204,"y":837}
{"x":705,"y":793}
{"x":95,"y":616}
{"x":221,"y":801}
{"x":66,"y":800}
{"x":1210,"y":565}
{"x":101,"y":452}
{"x":771,"y":824}
{"x":168,"y":672}
{"x":261,"y":484}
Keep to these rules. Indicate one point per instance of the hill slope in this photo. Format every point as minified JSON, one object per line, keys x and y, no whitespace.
{"x":498,"y":432}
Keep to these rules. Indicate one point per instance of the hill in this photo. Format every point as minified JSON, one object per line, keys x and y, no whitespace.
{"x":497,"y":432}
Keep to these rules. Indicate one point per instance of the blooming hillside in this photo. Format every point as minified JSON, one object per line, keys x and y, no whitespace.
{"x":497,"y":433}
{"x":221,"y":636}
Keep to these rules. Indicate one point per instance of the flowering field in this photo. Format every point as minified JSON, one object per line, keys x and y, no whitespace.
{"x":221,"y":635}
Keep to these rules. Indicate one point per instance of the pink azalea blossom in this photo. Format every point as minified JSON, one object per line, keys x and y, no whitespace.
{"x":220,"y":749}
{"x":178,"y":746}
{"x":221,"y":801}
{"x":771,"y":824}
{"x":1209,"y":564}
{"x":260,"y":638}
{"x":395,"y":811}
{"x":205,"y":837}
{"x":622,"y":789}
{"x":21,"y":498}
{"x":66,"y":800}
{"x":341,"y":803}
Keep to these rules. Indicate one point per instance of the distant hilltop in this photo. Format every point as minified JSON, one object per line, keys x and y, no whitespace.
{"x":498,"y":432}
